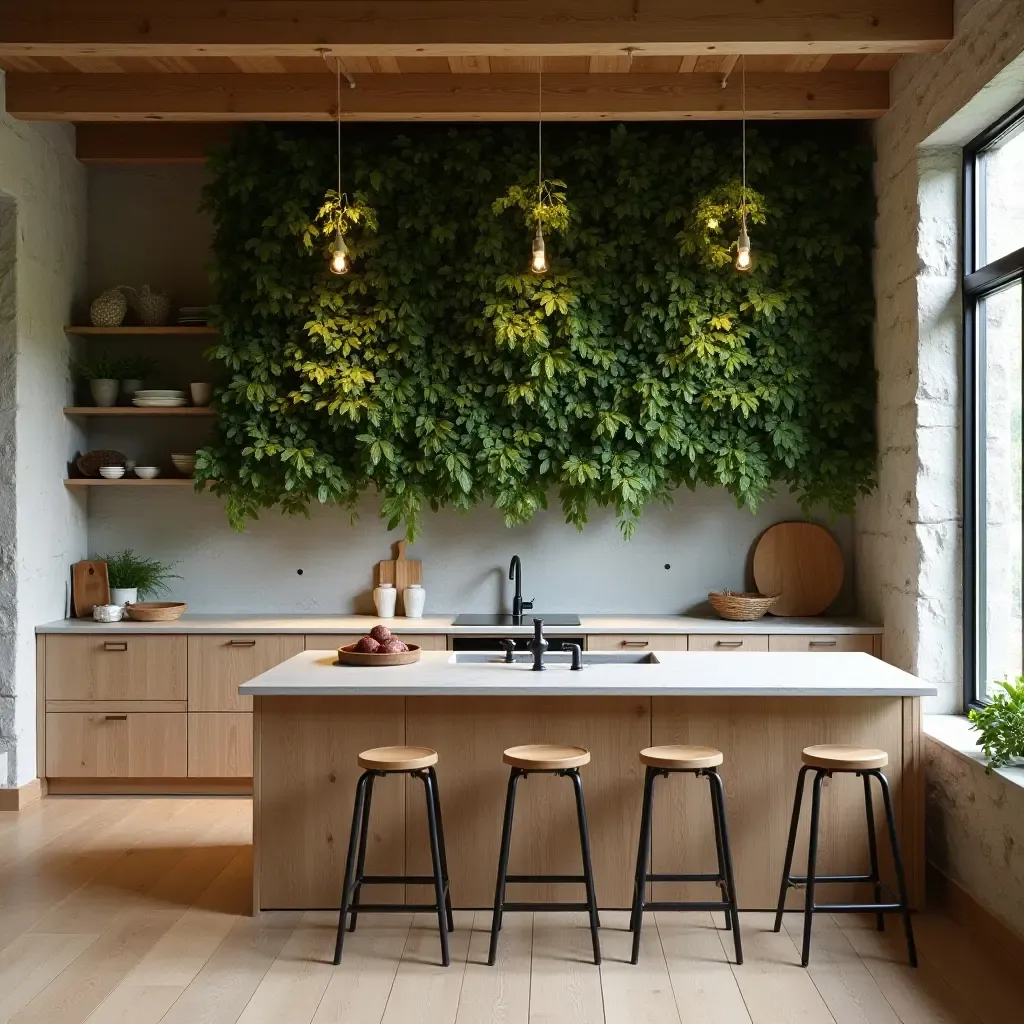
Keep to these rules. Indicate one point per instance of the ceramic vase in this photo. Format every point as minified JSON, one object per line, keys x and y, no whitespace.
{"x":104,"y":390}
{"x":108,"y":309}
{"x":384,"y":598}
{"x":414,"y":597}
{"x":124,"y":595}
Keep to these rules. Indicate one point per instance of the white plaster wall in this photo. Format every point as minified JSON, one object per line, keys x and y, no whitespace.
{"x":46,"y":186}
{"x":908,"y":532}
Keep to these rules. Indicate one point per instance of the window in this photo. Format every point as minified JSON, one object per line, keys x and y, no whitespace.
{"x":993,"y":182}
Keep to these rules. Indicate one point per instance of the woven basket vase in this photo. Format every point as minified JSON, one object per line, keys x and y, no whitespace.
{"x":741,"y":607}
{"x":108,"y":309}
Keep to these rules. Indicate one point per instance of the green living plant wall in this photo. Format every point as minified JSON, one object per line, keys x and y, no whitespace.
{"x":440,"y":372}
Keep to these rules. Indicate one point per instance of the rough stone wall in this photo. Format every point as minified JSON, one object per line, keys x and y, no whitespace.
{"x":975,"y":831}
{"x":908,"y":532}
{"x":42,"y":527}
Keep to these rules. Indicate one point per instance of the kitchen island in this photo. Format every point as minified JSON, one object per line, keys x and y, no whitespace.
{"x":312,"y":717}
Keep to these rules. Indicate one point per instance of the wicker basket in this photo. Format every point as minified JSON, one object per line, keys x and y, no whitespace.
{"x":89,"y":463}
{"x":741,"y":607}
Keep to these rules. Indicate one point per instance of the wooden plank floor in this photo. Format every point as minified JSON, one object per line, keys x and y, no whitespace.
{"x":137,"y":911}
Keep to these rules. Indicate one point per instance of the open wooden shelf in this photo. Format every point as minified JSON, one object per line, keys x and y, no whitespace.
{"x":132,"y":410}
{"x":160,"y":481}
{"x":140,"y":329}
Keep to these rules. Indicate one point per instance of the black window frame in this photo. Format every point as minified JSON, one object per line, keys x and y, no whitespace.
{"x":979,"y":281}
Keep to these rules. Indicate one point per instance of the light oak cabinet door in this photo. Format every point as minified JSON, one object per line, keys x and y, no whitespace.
{"x":220,"y":745}
{"x":116,"y":667}
{"x":218,"y":665}
{"x":822,"y":642}
{"x":636,"y":642}
{"x":726,"y":642}
{"x":115,"y":746}
{"x":332,"y":641}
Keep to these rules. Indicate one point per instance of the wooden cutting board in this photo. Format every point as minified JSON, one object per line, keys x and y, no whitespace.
{"x":400,"y":571}
{"x":89,"y":587}
{"x":801,"y":562}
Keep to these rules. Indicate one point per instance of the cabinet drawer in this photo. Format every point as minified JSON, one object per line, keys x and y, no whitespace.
{"x":726,"y":642}
{"x":332,"y":641}
{"x":636,"y":642}
{"x":115,"y":746}
{"x":822,"y":642}
{"x":218,"y":665}
{"x":220,"y":745}
{"x":116,"y":667}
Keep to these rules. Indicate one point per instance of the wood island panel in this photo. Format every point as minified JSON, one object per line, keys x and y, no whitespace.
{"x":470,"y":734}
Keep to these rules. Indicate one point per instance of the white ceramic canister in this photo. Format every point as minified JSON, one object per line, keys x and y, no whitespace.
{"x":124,"y":595}
{"x":414,"y":597}
{"x":384,"y":598}
{"x":107,"y":612}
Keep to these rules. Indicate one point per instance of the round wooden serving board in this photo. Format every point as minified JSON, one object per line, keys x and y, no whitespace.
{"x":802,"y":563}
{"x":350,"y":656}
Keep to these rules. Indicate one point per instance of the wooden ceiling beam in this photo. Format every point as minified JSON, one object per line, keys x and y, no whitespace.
{"x":494,"y":97}
{"x":453,"y":28}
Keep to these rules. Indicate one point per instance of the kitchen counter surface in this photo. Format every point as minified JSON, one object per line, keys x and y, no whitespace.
{"x":672,"y":673}
{"x":360,"y":624}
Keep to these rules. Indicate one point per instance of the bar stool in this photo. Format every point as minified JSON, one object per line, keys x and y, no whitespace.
{"x":696,"y":761}
{"x":825,"y":760}
{"x":544,"y":759}
{"x":417,"y":762}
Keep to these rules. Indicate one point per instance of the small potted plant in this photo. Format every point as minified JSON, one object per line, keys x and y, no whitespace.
{"x":103,"y":374}
{"x":133,"y":577}
{"x":133,"y":372}
{"x":1001,"y":725}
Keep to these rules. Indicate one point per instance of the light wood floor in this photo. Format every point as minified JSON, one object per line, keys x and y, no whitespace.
{"x":136,"y":911}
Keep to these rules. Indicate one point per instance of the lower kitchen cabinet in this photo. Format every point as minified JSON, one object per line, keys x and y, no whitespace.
{"x":726,"y":642}
{"x":631,"y":642}
{"x":220,"y":745}
{"x":219,"y":664}
{"x":823,"y":643}
{"x":116,"y":745}
{"x":332,"y":641}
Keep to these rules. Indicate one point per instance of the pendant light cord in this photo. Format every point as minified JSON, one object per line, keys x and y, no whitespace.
{"x":743,"y":101}
{"x":540,"y":127}
{"x":337,"y":70}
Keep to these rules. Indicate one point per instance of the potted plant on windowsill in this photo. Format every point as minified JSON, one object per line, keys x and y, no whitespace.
{"x":133,"y":577}
{"x":103,"y":376}
{"x":1001,"y":725}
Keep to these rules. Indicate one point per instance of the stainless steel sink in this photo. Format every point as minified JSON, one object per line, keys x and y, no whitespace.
{"x":560,"y":658}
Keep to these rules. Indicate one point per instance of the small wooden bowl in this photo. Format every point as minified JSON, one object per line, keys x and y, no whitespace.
{"x":350,"y":656}
{"x":156,"y":611}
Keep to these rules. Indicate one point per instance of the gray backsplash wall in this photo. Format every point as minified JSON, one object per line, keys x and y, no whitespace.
{"x":144,"y":228}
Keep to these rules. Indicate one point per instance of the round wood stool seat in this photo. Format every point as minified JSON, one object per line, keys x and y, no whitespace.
{"x":842,"y":757}
{"x":675,"y":755}
{"x":397,"y":759}
{"x":545,"y":756}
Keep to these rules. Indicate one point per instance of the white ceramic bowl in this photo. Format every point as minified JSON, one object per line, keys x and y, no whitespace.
{"x":147,"y":472}
{"x":111,"y":472}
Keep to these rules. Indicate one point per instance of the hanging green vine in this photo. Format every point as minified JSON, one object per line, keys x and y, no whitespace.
{"x":440,"y":372}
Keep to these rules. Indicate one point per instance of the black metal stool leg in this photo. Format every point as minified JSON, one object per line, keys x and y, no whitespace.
{"x":506,"y":842}
{"x":588,"y":870}
{"x":435,"y":856}
{"x":444,"y":856}
{"x":901,"y":885}
{"x":812,"y":864}
{"x":350,"y":865}
{"x":720,"y":852}
{"x":794,"y":824}
{"x":643,"y":851}
{"x":718,"y":799}
{"x":869,"y":810}
{"x":364,"y":831}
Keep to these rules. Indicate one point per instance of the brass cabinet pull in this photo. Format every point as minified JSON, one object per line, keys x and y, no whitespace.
{"x":115,"y":718}
{"x":636,"y":643}
{"x":822,"y":643}
{"x":728,"y":643}
{"x":116,"y":645}
{"x":241,"y":643}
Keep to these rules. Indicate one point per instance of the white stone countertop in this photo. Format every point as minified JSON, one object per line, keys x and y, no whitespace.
{"x":590,"y":624}
{"x":668,"y":673}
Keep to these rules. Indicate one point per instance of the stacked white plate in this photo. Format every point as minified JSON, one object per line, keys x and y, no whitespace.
{"x":193,"y":316}
{"x":156,"y":399}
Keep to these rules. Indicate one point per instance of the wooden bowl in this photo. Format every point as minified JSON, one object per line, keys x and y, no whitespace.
{"x":350,"y":656}
{"x":741,"y":607}
{"x":156,"y":611}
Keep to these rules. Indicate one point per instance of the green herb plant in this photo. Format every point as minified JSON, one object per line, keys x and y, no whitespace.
{"x":97,"y":366}
{"x":127,"y":570}
{"x":1001,"y":724}
{"x":440,"y":372}
{"x":136,"y":367}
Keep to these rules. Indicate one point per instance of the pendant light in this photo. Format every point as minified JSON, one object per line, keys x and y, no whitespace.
{"x":539,"y":262}
{"x":743,"y":260}
{"x":339,"y":254}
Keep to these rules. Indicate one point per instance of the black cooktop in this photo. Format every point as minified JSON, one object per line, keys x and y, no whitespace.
{"x":525,"y":619}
